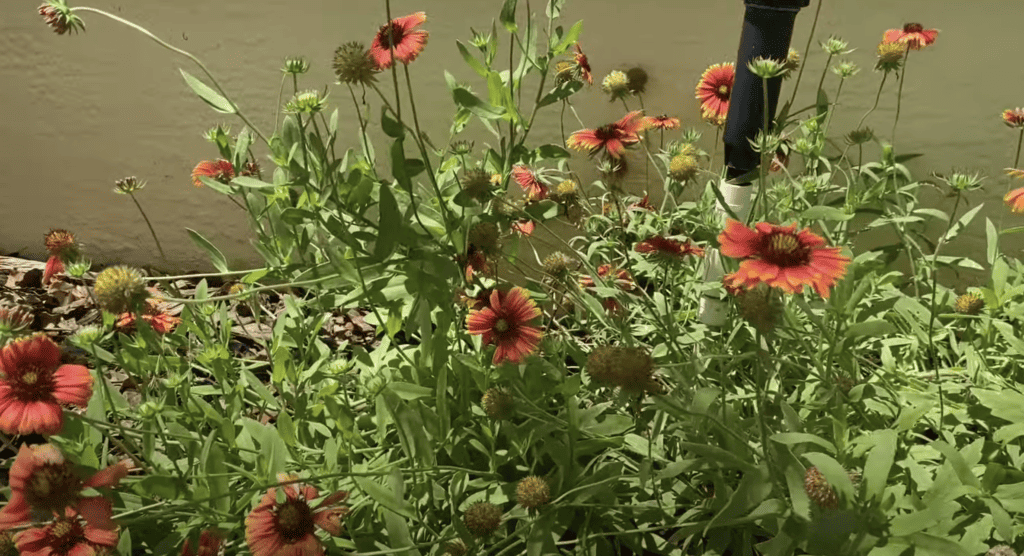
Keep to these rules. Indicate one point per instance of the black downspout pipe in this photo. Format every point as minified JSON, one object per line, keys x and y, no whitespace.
{"x":767,"y":31}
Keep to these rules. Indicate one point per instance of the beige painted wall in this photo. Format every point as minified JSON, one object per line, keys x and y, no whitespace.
{"x":81,"y":111}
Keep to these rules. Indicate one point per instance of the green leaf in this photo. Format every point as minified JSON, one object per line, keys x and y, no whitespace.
{"x":569,"y":39}
{"x":875,"y":327}
{"x":552,"y":152}
{"x":216,"y":257}
{"x":124,"y":544}
{"x":471,"y":60}
{"x":1010,"y":335}
{"x":508,"y":15}
{"x":878,"y":464}
{"x":286,"y":428}
{"x":992,"y":239}
{"x":822,"y":103}
{"x":253,"y":183}
{"x":409,"y":391}
{"x":543,"y":210}
{"x":478,"y":107}
{"x":209,"y":96}
{"x":792,"y":438}
{"x":216,"y":185}
{"x":831,"y":214}
{"x":560,"y":92}
{"x":389,"y":225}
{"x":392,"y":127}
{"x":961,"y":224}
{"x":385,"y":497}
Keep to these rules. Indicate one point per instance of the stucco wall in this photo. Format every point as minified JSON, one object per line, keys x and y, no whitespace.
{"x":81,"y":111}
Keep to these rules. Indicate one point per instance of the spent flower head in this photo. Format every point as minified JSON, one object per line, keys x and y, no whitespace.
{"x":353,"y":64}
{"x":616,"y":84}
{"x":120,"y":288}
{"x":969,"y":304}
{"x":792,"y":62}
{"x":533,"y":492}
{"x":1014,"y":117}
{"x":558,"y":264}
{"x":859,"y":136}
{"x":683,"y":167}
{"x":482,"y":518}
{"x":498,"y":403}
{"x":59,"y":17}
{"x":890,"y":56}
{"x":296,"y":65}
{"x":128,"y":185}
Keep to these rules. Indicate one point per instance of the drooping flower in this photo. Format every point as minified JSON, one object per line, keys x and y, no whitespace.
{"x":209,"y":544}
{"x":288,"y":528}
{"x":220,"y":170}
{"x":1015,"y":200}
{"x":662,"y":122}
{"x":621,"y":278}
{"x":912,"y":35}
{"x":582,"y":65}
{"x":67,"y":535}
{"x":59,"y":17}
{"x":160,"y":321}
{"x":667,"y":247}
{"x":474,"y":261}
{"x":43,"y":481}
{"x":612,"y":138}
{"x":715,"y":88}
{"x":528,"y":180}
{"x":792,"y":63}
{"x":1014,"y":117}
{"x":781,"y":257}
{"x":400,"y":33}
{"x":33,"y":384}
{"x":524,"y":227}
{"x":506,"y":323}
{"x":61,"y":246}
{"x":890,"y":56}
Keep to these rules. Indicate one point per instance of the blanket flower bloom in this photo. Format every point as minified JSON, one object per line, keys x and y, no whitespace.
{"x":288,"y":528}
{"x":663,"y":122}
{"x":913,"y":35}
{"x":1015,"y":200}
{"x":61,"y":246}
{"x":528,"y":180}
{"x":1014,"y":117}
{"x":781,"y":257}
{"x":668,"y":248}
{"x":66,"y":535}
{"x":220,"y":170}
{"x":505,"y":321}
{"x":209,"y":544}
{"x":43,"y":481}
{"x":714,"y":90}
{"x":399,"y":34}
{"x":613,"y":138}
{"x":582,"y":69}
{"x":33,"y":384}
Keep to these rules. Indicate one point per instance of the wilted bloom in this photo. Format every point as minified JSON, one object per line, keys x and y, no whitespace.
{"x":969,"y":304}
{"x":859,"y":136}
{"x":67,"y":535}
{"x":818,"y":490}
{"x":43,"y":481}
{"x":295,"y":66}
{"x":353,"y":64}
{"x":668,"y":248}
{"x":890,"y":56}
{"x":527,"y":179}
{"x":61,"y":246}
{"x":400,"y":34}
{"x":913,"y":35}
{"x":506,"y":322}
{"x":629,"y":368}
{"x":533,"y":492}
{"x":622,"y":278}
{"x":59,"y":17}
{"x":760,"y":306}
{"x":582,"y":65}
{"x":612,"y":138}
{"x":482,"y":518}
{"x":485,"y":237}
{"x":714,"y":89}
{"x":220,"y":170}
{"x":781,"y":257}
{"x":159,"y":320}
{"x":642,"y":204}
{"x":289,"y":527}
{"x":557,"y":264}
{"x":477,"y":184}
{"x":474,"y":261}
{"x":637,"y":78}
{"x":683,"y":167}
{"x":524,"y":227}
{"x":126,"y":186}
{"x":616,"y":84}
{"x":209,"y":544}
{"x":1014,"y":117}
{"x":498,"y":403}
{"x":119,"y":288}
{"x":306,"y":102}
{"x":662,"y":122}
{"x":792,"y":63}
{"x":33,"y":384}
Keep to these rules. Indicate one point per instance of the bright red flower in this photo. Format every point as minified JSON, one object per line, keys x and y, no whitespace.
{"x":642,"y":204}
{"x":220,"y":170}
{"x":622,"y":278}
{"x":1014,"y":117}
{"x":528,"y":180}
{"x":714,"y":90}
{"x":613,"y":138}
{"x":663,"y":122}
{"x":524,"y":227}
{"x":43,"y":481}
{"x":288,"y":528}
{"x":506,"y":322}
{"x":209,"y":544}
{"x":33,"y":384}
{"x":159,"y":319}
{"x":407,"y":43}
{"x":1015,"y":200}
{"x":66,"y":535}
{"x":781,"y":257}
{"x":582,"y":64}
{"x":475,"y":261}
{"x":54,"y":266}
{"x":668,"y":247}
{"x":914,"y":35}
{"x":60,"y":244}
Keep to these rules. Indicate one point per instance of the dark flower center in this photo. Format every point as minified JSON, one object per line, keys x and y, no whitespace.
{"x":396,"y":33}
{"x":294,"y":520}
{"x":53,"y":487}
{"x":34,"y":383}
{"x":65,"y":535}
{"x":785,"y":250}
{"x":501,"y":326}
{"x":606,"y":132}
{"x":913,"y":28}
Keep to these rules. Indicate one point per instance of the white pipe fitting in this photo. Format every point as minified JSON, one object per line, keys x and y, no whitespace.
{"x":712,"y":310}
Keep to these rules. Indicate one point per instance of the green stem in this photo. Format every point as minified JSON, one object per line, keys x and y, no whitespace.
{"x":394,"y":70}
{"x":899,"y":96}
{"x":931,"y":309}
{"x":184,"y":53}
{"x":807,"y":49}
{"x":150,"y":225}
{"x":1009,"y":185}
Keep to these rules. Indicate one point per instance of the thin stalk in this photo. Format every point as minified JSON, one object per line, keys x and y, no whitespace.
{"x":807,"y":49}
{"x":394,"y":70}
{"x":1009,"y":185}
{"x":150,"y":225}
{"x":423,"y":152}
{"x":931,"y":308}
{"x":280,"y":92}
{"x":835,"y":104}
{"x":899,"y":96}
{"x":761,"y":185}
{"x":184,"y":53}
{"x":362,"y":124}
{"x":824,"y":72}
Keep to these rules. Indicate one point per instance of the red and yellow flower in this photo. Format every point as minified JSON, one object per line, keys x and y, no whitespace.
{"x":667,"y":247}
{"x":220,"y":170}
{"x":505,"y":321}
{"x":33,"y":384}
{"x":528,"y":180}
{"x":612,"y":138}
{"x":61,"y":246}
{"x":401,"y":34}
{"x":67,"y":535}
{"x":913,"y":35}
{"x":662,"y":122}
{"x":43,"y":481}
{"x":288,"y":528}
{"x":1014,"y":117}
{"x":781,"y":257}
{"x":582,"y":65}
{"x":209,"y":544}
{"x":714,"y":90}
